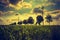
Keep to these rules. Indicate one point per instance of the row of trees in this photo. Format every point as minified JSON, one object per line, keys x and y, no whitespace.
{"x":30,"y":20}
{"x":39,"y":19}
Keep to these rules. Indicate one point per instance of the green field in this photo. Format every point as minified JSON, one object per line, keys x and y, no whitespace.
{"x":28,"y":32}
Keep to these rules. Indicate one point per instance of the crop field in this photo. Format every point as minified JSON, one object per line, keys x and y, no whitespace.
{"x":29,"y":32}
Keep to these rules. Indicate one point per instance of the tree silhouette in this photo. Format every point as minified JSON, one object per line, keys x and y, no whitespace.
{"x":20,"y":22}
{"x":30,"y":20}
{"x":25,"y":22}
{"x":49,"y":18}
{"x":39,"y":10}
{"x":39,"y":19}
{"x":13,"y":23}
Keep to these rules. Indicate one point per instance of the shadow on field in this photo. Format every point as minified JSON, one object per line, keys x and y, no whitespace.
{"x":29,"y":32}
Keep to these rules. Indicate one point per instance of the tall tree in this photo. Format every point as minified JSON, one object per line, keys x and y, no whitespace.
{"x":49,"y":18}
{"x":39,"y":10}
{"x":39,"y":19}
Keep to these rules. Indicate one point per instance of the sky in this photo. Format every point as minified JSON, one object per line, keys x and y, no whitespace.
{"x":24,"y":8}
{"x":12,"y":5}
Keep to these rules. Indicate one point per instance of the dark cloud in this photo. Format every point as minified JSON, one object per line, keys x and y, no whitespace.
{"x":14,"y":2}
{"x":57,"y":6}
{"x":5,"y":7}
{"x":2,"y":6}
{"x":57,"y":2}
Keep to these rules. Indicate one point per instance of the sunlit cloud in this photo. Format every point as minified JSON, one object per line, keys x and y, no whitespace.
{"x":17,"y":6}
{"x":27,"y":5}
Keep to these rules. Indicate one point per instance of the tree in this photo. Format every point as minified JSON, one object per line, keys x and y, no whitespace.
{"x":13,"y":23}
{"x":49,"y":18}
{"x":25,"y":22}
{"x":39,"y":19}
{"x":39,"y":10}
{"x":30,"y":20}
{"x":20,"y":22}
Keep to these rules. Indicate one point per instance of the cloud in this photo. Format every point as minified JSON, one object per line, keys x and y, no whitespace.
{"x":5,"y":5}
{"x":17,"y":6}
{"x":14,"y":2}
{"x":5,"y":9}
{"x":26,"y":5}
{"x":20,"y":5}
{"x":57,"y":2}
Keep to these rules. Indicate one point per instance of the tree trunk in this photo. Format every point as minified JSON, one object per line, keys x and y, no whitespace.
{"x":43,"y":17}
{"x":49,"y":23}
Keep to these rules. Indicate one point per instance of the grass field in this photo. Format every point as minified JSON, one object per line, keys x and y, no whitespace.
{"x":29,"y":32}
